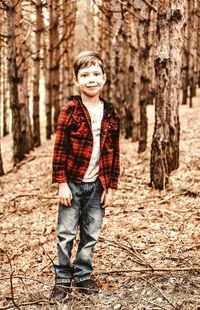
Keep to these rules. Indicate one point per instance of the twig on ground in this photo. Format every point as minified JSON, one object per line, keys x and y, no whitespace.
{"x":166,"y":199}
{"x":22,"y":277}
{"x":11,"y":279}
{"x":152,"y":303}
{"x":27,"y":304}
{"x":46,"y":252}
{"x":139,"y":257}
{"x":155,"y":269}
{"x":150,"y":5}
{"x":33,"y":195}
{"x":130,"y":250}
{"x":23,"y":162}
{"x":159,"y":290}
{"x":141,"y":202}
{"x":191,"y":248}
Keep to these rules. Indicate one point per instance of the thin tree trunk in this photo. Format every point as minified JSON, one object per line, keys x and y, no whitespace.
{"x":1,"y":74}
{"x":145,"y":48}
{"x":168,"y":63}
{"x":54,"y":55}
{"x":36,"y":75}
{"x":1,"y":164}
{"x":5,"y":91}
{"x":15,"y":60}
{"x":25,"y":111}
{"x":69,"y":20}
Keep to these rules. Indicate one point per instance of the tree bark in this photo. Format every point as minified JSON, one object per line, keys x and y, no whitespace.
{"x":54,"y":54}
{"x":5,"y":93}
{"x":36,"y":74}
{"x":15,"y":61}
{"x":1,"y":164}
{"x":168,"y":63}
{"x":146,"y":36}
{"x":67,"y":47}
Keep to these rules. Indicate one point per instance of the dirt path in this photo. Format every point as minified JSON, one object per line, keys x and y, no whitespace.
{"x":144,"y":230}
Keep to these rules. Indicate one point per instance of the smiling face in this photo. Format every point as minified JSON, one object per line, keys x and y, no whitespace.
{"x":90,"y":80}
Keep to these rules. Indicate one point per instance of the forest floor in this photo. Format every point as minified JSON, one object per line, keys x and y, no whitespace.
{"x":148,"y":255}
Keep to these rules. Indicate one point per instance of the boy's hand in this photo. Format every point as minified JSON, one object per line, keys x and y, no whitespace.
{"x":107,"y":197}
{"x":65,"y":194}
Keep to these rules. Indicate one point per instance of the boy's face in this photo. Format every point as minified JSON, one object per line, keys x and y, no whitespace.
{"x":90,"y":80}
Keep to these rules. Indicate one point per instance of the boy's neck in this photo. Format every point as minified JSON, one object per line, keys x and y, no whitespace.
{"x":90,"y":101}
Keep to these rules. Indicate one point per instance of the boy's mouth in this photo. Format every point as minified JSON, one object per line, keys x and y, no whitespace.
{"x":91,"y":86}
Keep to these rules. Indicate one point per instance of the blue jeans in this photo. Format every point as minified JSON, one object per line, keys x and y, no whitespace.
{"x":87,"y":213}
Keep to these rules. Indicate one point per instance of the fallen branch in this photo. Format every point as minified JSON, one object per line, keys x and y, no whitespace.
{"x":11,"y":279}
{"x":128,"y":249}
{"x":139,"y":257}
{"x":23,"y":162}
{"x":150,"y":5}
{"x":153,"y":303}
{"x":191,"y":248}
{"x":27,"y":304}
{"x":24,"y":278}
{"x":155,"y":269}
{"x":51,"y":260}
{"x":32,"y":195}
{"x":165,"y":297}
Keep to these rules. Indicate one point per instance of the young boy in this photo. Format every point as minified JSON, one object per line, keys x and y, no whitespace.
{"x":86,"y":167}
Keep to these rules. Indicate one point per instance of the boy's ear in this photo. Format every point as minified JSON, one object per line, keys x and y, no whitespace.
{"x":76,"y":81}
{"x":104,"y":77}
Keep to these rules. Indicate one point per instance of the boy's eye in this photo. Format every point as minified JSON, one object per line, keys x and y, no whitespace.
{"x":97,"y":74}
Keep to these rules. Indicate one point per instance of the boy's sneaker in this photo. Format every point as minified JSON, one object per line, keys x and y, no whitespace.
{"x":60,"y":291}
{"x":88,"y":286}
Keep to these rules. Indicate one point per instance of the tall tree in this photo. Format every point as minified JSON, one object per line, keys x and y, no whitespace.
{"x":36,"y":75}
{"x":1,"y":164}
{"x":3,"y":77}
{"x":15,"y":74}
{"x":67,"y":46}
{"x":54,"y":59}
{"x":5,"y":93}
{"x":147,"y":32}
{"x":168,"y":63}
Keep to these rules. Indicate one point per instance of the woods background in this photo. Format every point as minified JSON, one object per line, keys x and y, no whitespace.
{"x":151,"y":51}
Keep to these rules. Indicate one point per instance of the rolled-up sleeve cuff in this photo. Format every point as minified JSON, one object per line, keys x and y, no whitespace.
{"x":59,"y":178}
{"x":113,"y":184}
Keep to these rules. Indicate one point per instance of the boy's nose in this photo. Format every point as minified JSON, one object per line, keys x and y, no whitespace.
{"x":91,"y":80}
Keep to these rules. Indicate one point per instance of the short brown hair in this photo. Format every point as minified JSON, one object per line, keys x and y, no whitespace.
{"x":86,"y":59}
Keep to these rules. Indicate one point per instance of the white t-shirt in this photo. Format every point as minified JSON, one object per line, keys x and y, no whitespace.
{"x":96,"y":115}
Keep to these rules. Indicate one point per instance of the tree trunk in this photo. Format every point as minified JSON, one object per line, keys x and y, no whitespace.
{"x":68,"y":32}
{"x":5,"y":92}
{"x":3,"y":81}
{"x":36,"y":75}
{"x":1,"y":74}
{"x":54,"y":59}
{"x":147,"y":22}
{"x":106,"y":31}
{"x":25,"y":113}
{"x":1,"y":164}
{"x":168,"y":63}
{"x":15,"y":61}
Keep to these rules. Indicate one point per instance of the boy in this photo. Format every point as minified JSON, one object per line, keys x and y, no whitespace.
{"x":86,"y":167}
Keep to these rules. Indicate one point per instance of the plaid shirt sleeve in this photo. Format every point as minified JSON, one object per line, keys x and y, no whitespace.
{"x":60,"y":146}
{"x":116,"y":159}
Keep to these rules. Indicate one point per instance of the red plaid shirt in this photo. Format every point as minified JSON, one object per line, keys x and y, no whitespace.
{"x":74,"y":143}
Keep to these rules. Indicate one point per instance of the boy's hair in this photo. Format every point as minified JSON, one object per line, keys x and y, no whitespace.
{"x":86,"y":59}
